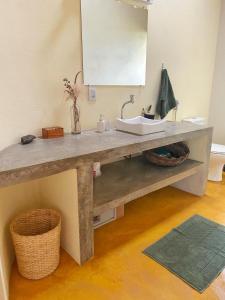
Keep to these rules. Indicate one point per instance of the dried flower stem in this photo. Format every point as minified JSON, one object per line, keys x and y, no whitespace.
{"x":73,"y":93}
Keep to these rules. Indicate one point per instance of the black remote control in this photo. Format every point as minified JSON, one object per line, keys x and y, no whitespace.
{"x":27,"y":139}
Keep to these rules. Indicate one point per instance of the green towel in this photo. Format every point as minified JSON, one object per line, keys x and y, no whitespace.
{"x":166,"y":100}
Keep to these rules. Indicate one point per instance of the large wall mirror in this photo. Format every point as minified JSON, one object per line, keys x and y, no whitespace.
{"x":114,"y":43}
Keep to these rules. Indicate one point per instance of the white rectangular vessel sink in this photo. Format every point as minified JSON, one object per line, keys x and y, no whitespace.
{"x":140,"y":125}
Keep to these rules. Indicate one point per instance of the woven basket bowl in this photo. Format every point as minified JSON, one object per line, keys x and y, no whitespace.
{"x":36,"y":239}
{"x":162,"y":161}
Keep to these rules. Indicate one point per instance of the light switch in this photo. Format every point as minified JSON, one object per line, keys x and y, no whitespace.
{"x":92,"y":93}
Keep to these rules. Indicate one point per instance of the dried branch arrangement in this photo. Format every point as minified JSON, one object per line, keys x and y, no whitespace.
{"x":73,"y":92}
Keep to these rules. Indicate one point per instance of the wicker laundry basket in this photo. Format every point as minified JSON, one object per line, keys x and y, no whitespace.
{"x":36,"y":239}
{"x":179,"y":153}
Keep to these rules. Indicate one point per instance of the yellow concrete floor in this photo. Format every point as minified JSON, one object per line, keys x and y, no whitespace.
{"x":119,"y":270}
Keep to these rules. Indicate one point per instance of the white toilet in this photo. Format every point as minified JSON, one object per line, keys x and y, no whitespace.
{"x":217,"y":162}
{"x":217,"y":157}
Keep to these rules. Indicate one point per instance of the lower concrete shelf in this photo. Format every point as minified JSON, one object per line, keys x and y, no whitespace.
{"x":126,"y":180}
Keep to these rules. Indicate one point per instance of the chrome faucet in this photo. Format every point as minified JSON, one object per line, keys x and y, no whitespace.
{"x":127,"y":102}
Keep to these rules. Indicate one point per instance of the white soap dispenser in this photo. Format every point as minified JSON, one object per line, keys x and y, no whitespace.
{"x":101,"y":124}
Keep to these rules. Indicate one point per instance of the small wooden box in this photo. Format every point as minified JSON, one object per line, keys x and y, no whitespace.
{"x":52,"y":132}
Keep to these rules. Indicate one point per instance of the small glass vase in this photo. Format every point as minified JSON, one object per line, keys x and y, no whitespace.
{"x":76,"y":128}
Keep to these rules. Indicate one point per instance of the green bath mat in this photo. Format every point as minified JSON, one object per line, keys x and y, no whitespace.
{"x":194,"y":251}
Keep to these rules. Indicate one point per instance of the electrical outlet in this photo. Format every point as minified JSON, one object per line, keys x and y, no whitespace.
{"x":92,"y":93}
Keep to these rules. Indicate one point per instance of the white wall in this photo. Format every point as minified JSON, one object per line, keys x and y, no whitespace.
{"x":184,"y":36}
{"x":217,"y":109}
{"x":41,"y":44}
{"x":60,"y":192}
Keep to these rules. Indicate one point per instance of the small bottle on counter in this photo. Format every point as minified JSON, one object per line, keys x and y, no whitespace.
{"x":101,"y":124}
{"x":108,"y":125}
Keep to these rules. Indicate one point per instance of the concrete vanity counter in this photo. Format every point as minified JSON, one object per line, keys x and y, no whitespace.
{"x":19,"y":163}
{"x":65,"y":165}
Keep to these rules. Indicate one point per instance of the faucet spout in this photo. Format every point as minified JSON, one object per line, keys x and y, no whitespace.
{"x":132,"y":97}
